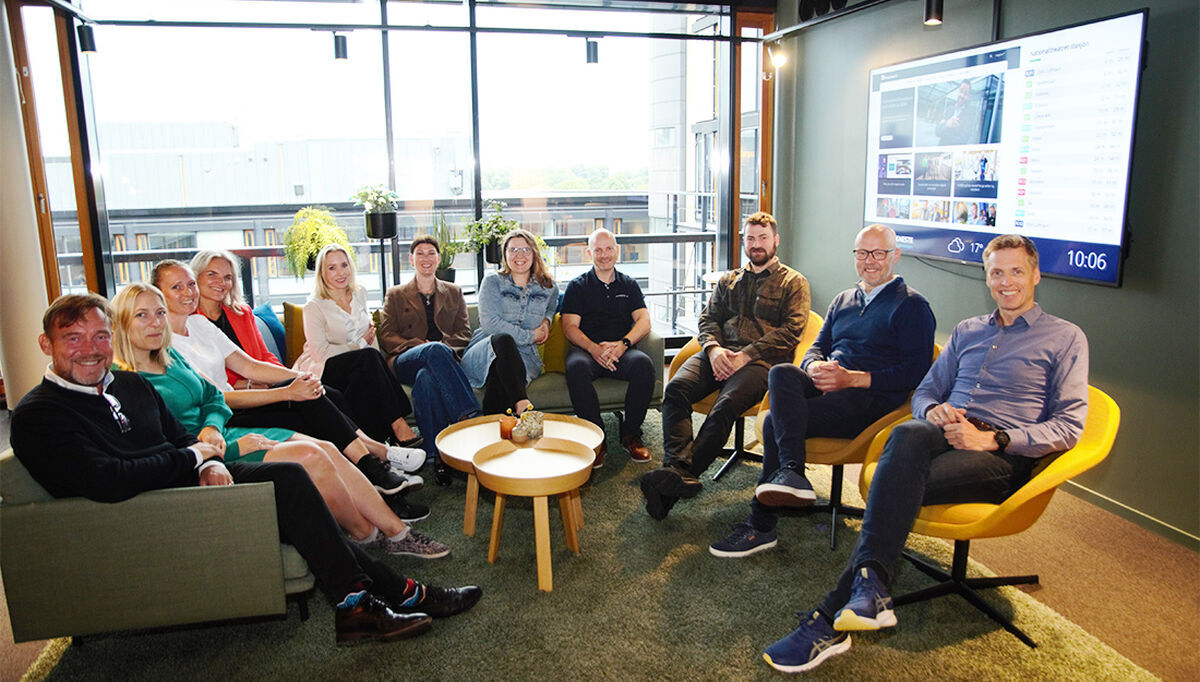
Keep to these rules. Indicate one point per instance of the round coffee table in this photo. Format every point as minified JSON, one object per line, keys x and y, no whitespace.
{"x":459,"y":442}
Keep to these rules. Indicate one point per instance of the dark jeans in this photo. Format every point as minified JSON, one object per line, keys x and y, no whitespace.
{"x":505,"y":383}
{"x":318,"y":418}
{"x":441,"y":393}
{"x":374,"y":395}
{"x":634,"y":366}
{"x":918,"y":468}
{"x":693,"y":381}
{"x":305,"y":523}
{"x":799,"y":410}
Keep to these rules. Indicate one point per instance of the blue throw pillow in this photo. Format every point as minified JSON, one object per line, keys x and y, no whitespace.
{"x":268,"y":316}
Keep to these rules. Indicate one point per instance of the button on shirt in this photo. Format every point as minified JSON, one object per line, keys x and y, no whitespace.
{"x":1028,"y":378}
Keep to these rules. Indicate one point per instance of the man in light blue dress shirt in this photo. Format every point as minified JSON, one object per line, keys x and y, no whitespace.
{"x":1009,"y":388}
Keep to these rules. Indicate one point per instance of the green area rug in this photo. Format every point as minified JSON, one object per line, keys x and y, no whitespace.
{"x":643,"y":601}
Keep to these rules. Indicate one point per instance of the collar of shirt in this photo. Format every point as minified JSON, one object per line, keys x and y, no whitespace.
{"x":868,"y":297}
{"x":1027,"y":318}
{"x":78,"y":388}
{"x":771,"y":266}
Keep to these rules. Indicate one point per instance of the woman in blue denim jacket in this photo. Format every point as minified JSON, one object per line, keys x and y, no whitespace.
{"x":516,"y":306}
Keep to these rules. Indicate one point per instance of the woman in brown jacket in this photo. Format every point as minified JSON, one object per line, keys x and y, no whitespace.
{"x":423,"y":326}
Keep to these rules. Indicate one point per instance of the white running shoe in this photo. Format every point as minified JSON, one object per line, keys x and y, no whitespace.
{"x":405,"y":459}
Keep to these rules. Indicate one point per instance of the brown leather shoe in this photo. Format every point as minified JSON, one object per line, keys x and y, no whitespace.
{"x":600,"y":453}
{"x":638,"y":452}
{"x":371,"y":620}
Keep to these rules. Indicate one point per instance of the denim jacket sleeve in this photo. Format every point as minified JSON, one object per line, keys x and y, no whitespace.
{"x":491,"y":318}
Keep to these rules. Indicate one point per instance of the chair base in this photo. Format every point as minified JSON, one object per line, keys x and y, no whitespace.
{"x":957,"y":582}
{"x":835,"y":506}
{"x":738,"y":451}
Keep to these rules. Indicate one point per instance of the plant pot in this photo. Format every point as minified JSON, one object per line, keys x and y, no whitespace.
{"x":491,"y":252}
{"x":312,"y":263}
{"x":445,"y":274}
{"x":380,"y":225}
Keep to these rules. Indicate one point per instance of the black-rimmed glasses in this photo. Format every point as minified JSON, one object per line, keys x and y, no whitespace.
{"x":875,"y":254}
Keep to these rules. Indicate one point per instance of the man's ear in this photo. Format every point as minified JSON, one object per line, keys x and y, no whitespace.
{"x":44,"y":343}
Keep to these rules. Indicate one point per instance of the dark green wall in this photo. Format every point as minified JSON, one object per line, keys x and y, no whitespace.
{"x":1143,"y":336}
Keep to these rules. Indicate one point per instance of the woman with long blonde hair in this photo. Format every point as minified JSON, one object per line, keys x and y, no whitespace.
{"x":516,"y":307}
{"x":141,"y":343}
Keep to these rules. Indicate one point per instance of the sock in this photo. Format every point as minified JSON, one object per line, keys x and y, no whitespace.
{"x":352,"y":600}
{"x":399,"y":536}
{"x":374,"y":536}
{"x":414,"y":593}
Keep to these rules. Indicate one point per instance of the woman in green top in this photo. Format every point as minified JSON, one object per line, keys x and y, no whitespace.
{"x":141,"y":343}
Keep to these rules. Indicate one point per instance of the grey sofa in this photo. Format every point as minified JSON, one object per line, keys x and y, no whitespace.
{"x":74,"y":567}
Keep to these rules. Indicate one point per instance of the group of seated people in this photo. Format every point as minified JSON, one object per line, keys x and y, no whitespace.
{"x":197,"y":399}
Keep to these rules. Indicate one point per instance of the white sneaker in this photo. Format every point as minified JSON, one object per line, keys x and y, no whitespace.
{"x":405,"y":459}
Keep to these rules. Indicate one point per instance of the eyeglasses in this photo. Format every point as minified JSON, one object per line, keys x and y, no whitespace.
{"x":114,"y":406}
{"x":520,"y":250}
{"x":875,"y":254}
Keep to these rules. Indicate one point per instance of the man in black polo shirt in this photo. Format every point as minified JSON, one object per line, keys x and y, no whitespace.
{"x":603,"y":316}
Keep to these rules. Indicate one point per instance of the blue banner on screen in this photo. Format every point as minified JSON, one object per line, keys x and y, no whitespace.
{"x":1032,"y":135}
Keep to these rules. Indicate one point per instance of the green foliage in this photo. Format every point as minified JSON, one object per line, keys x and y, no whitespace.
{"x":377,"y":199}
{"x":312,"y":228}
{"x":489,"y":228}
{"x":448,"y":246}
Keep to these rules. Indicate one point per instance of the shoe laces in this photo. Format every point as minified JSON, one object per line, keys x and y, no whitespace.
{"x":415,"y":537}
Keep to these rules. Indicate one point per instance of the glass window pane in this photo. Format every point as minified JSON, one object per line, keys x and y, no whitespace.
{"x":272,"y":11}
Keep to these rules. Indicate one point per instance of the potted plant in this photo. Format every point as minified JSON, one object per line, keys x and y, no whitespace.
{"x":486,"y":232}
{"x":312,"y":228}
{"x":379,"y":210}
{"x":448,"y":248}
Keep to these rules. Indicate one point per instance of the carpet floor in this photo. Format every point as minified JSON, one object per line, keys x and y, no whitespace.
{"x":644,"y":600}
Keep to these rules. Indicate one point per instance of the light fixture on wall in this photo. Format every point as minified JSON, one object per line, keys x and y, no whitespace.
{"x":593,"y":51}
{"x":87,"y":41}
{"x":339,"y":47}
{"x":776,"y":55}
{"x":933,"y":12}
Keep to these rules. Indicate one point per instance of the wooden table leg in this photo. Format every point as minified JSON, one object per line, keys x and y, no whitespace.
{"x":497,"y":524}
{"x":541,"y":532}
{"x":577,"y":503}
{"x":566,"y":505}
{"x":472,"y":504}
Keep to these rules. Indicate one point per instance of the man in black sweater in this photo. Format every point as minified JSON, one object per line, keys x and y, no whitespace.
{"x":875,"y":346}
{"x":107,"y":436}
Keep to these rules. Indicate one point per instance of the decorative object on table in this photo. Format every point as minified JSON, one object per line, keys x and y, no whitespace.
{"x":448,"y":248}
{"x":312,"y":229}
{"x":507,"y":424}
{"x":529,"y":426}
{"x":379,"y":211}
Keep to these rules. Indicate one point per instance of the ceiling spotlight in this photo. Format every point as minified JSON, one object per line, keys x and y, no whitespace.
{"x":339,"y":47}
{"x":593,"y":52}
{"x":776,"y":55}
{"x":933,"y":12}
{"x":87,"y":41}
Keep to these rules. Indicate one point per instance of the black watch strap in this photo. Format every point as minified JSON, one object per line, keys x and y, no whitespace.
{"x":1002,"y":440}
{"x":627,"y":342}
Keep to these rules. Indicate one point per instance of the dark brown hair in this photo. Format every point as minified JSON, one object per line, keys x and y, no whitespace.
{"x":67,"y":309}
{"x":424,"y":239}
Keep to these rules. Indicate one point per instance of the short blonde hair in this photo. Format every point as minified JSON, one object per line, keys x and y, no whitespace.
{"x":322,"y":291}
{"x":204,"y":258}
{"x":538,"y":272}
{"x":123,"y":305}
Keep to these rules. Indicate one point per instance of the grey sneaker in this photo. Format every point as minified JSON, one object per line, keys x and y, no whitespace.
{"x":787,"y":488}
{"x":416,"y":544}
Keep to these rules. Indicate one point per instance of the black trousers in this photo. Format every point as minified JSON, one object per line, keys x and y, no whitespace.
{"x":318,"y":418}
{"x":505,"y":383}
{"x":374,"y":397}
{"x":693,"y":381}
{"x":305,"y":523}
{"x":634,"y":367}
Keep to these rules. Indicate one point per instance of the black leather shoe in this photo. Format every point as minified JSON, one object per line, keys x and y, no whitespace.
{"x":405,"y":510}
{"x":372,"y":620}
{"x":440,"y":602}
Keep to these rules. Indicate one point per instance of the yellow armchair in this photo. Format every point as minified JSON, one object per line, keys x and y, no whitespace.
{"x":965,"y":522}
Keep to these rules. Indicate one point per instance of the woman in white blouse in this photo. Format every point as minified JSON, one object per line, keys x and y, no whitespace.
{"x":340,"y":343}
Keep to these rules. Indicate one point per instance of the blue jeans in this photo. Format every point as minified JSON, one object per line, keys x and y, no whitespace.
{"x":799,"y":410}
{"x":917,"y":468}
{"x":441,"y":393}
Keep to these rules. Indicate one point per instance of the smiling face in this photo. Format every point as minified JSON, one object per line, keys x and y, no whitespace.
{"x":518,"y":255}
{"x":1011,"y":277}
{"x":425,"y":259}
{"x":336,"y":272}
{"x":180,"y":290}
{"x":603,"y":252}
{"x":874,"y":272}
{"x":216,"y":280}
{"x":149,"y":321}
{"x":760,"y":243}
{"x":80,"y":352}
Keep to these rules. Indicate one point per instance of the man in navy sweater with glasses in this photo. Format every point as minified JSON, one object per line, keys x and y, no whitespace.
{"x":873,"y":349}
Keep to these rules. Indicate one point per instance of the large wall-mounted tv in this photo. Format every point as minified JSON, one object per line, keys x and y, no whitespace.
{"x":1031,"y":135}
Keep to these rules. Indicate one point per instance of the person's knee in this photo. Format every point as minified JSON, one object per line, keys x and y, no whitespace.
{"x":503,"y":342}
{"x":578,"y":363}
{"x":639,"y":364}
{"x":437,"y":353}
{"x":785,"y":372}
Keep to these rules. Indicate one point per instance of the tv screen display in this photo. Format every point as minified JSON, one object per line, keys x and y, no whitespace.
{"x":1031,"y":135}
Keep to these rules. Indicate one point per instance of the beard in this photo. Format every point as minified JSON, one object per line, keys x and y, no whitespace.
{"x":760,"y":257}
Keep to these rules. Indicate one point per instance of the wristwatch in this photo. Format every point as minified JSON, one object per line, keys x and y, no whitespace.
{"x":1002,"y":440}
{"x":627,"y":342}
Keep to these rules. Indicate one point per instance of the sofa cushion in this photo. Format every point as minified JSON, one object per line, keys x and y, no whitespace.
{"x":16,"y":485}
{"x":293,"y":322}
{"x":554,"y":350}
{"x":277,"y":340}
